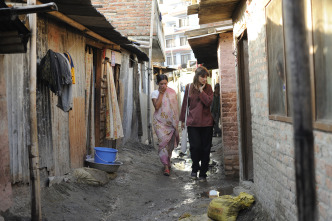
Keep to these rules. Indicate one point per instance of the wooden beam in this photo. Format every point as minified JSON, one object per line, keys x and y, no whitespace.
{"x":101,"y":45}
{"x":36,"y":212}
{"x":193,"y":9}
{"x":99,"y":69}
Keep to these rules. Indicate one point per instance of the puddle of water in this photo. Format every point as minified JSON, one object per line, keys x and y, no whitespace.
{"x":222,"y":191}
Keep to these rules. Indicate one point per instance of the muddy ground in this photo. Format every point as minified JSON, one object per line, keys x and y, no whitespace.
{"x":139,"y":192}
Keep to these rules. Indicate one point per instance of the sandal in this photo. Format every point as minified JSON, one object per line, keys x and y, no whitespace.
{"x":166,"y":172}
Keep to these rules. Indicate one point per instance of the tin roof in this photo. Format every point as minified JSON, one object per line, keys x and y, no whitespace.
{"x":204,"y":43}
{"x":84,"y":13}
{"x":14,"y":35}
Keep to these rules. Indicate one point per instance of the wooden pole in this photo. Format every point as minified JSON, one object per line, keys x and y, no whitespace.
{"x":150,"y":134}
{"x":297,"y":55}
{"x":33,"y":149}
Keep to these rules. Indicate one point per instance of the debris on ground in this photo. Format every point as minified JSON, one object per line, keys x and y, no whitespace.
{"x":213,"y":194}
{"x":226,"y":208}
{"x":91,"y":176}
{"x":185,"y":215}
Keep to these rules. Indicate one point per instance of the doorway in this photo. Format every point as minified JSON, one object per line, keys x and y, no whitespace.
{"x":245,"y":110}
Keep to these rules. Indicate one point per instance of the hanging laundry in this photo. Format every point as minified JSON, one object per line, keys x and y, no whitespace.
{"x":49,"y":73}
{"x":113,"y":119}
{"x":65,"y":101}
{"x":54,"y":71}
{"x":72,"y":68}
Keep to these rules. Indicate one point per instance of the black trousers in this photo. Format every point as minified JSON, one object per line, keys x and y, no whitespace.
{"x":200,"y":140}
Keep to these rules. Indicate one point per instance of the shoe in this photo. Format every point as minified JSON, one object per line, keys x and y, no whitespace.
{"x":181,"y":154}
{"x":193,"y":175}
{"x":202,"y":179}
{"x":166,"y":172}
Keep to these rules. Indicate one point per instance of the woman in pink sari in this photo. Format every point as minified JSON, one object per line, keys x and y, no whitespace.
{"x":165,"y":121}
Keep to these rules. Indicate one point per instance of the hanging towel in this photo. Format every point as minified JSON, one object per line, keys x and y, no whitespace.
{"x":113,"y":119}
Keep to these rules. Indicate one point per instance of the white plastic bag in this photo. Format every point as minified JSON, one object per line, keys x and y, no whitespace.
{"x":184,"y":130}
{"x":184,"y":140}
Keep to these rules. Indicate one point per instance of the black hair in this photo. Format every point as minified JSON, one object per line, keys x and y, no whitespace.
{"x":161,"y":77}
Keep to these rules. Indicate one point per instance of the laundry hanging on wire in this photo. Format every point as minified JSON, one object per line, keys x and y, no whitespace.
{"x":57,"y":71}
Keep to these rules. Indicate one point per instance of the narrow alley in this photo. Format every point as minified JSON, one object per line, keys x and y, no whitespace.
{"x":84,"y":78}
{"x":140,"y":191}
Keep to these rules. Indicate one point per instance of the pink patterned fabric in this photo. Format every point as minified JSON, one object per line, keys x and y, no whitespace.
{"x":165,"y":122}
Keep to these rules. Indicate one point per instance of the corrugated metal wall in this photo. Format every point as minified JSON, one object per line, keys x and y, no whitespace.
{"x":16,"y":71}
{"x":55,"y":127}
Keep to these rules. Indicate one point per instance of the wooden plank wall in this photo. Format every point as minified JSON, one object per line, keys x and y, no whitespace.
{"x":62,"y":39}
{"x":77,"y":133}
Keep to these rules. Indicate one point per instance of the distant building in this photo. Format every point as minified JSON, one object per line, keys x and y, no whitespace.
{"x":176,"y":23}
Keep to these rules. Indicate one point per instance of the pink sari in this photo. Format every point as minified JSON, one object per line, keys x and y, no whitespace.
{"x":165,"y":122}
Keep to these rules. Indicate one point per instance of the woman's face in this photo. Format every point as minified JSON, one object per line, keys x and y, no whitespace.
{"x":202,"y":79}
{"x":163,"y":84}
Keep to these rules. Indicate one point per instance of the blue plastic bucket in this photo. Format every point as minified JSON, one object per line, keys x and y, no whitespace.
{"x":105,"y":155}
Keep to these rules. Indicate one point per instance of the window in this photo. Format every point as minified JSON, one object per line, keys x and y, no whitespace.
{"x":170,"y":43}
{"x":320,"y":41}
{"x":276,"y":59}
{"x":169,"y":60}
{"x":174,"y":60}
{"x":184,"y":59}
{"x":279,"y":105}
{"x":183,"y":22}
{"x":183,"y":41}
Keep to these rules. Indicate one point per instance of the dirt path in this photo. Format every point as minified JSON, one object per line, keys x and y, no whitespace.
{"x":140,"y":191}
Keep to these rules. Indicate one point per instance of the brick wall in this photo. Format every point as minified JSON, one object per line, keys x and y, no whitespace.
{"x":5,"y":185}
{"x":228,"y":103}
{"x":274,"y":172}
{"x":129,"y":17}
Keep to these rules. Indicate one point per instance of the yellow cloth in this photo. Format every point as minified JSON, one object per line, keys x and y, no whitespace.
{"x":72,"y":70}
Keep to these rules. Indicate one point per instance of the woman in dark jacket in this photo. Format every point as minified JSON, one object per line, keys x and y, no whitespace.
{"x":199,"y":122}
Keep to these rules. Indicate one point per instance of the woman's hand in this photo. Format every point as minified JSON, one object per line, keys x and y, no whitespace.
{"x":162,"y":90}
{"x":201,"y":88}
{"x":182,"y":125}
